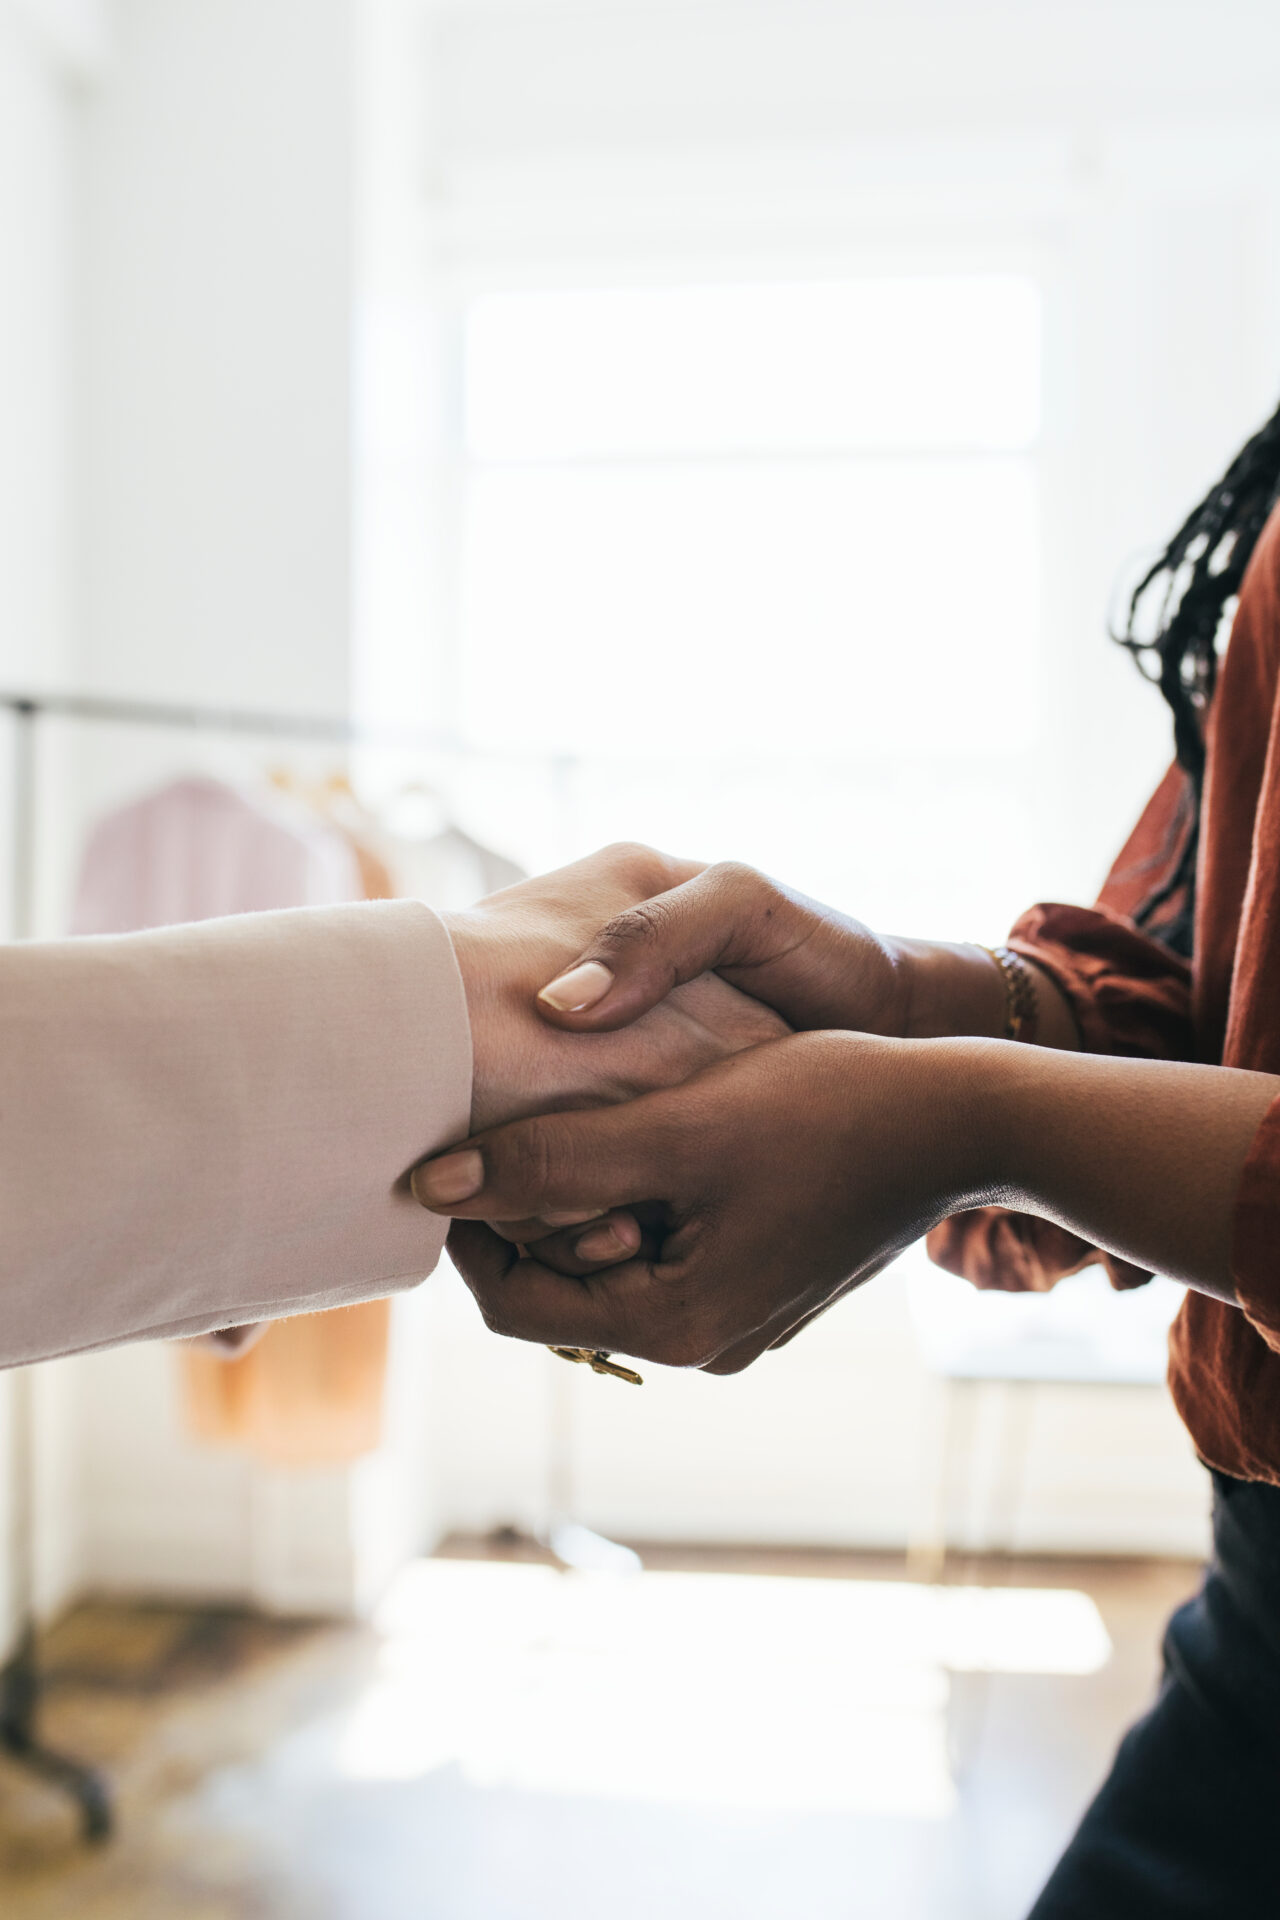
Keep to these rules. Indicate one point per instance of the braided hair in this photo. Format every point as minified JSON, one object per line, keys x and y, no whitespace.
{"x":1192,"y":588}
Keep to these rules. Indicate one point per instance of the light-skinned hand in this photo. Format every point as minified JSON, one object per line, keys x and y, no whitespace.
{"x":510,"y":944}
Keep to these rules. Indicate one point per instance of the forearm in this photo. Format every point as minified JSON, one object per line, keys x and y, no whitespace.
{"x":1142,"y":1158}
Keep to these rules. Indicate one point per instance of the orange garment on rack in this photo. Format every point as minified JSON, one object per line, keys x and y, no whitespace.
{"x":308,"y":1394}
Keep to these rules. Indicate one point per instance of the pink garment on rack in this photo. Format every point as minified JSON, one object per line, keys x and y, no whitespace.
{"x":197,"y":849}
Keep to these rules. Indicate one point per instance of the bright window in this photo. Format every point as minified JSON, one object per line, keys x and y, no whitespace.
{"x":760,"y":564}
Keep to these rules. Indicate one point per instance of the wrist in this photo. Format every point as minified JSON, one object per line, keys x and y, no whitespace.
{"x":974,"y":1094}
{"x":1012,"y":1111}
{"x":950,"y":990}
{"x":944,"y":1115}
{"x":960,"y":991}
{"x":479,"y":970}
{"x":468,"y":949}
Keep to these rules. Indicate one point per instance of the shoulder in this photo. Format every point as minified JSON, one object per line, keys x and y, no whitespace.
{"x":1259,"y":608}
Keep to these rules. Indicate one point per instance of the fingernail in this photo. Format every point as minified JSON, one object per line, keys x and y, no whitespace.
{"x":580,"y":988}
{"x":573,"y":1219}
{"x":442,"y":1183}
{"x":606,"y":1243}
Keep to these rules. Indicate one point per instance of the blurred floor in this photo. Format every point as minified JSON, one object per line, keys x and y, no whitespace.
{"x":731,"y":1736}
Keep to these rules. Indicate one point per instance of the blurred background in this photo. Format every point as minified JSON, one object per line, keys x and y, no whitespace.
{"x":725,"y":424}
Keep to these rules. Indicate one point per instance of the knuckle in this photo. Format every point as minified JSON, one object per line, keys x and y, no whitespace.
{"x":643,"y":868}
{"x":742,"y":883}
{"x":736,"y":873}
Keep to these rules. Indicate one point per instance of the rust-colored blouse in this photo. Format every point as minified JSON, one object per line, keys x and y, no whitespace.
{"x":1131,"y":996}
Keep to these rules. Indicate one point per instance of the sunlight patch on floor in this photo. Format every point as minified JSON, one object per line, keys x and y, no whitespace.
{"x":711,"y":1689}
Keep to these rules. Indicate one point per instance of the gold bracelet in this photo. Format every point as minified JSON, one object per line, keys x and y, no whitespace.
{"x":1021,"y":1001}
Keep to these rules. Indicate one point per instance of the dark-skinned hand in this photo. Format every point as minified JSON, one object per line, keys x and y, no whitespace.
{"x":766,"y":1186}
{"x":813,"y":965}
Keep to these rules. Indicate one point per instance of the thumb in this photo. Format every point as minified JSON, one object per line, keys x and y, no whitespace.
{"x":558,"y":1163}
{"x":716,"y":919}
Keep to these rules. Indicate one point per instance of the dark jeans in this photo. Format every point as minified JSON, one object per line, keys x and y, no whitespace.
{"x":1187,"y":1824}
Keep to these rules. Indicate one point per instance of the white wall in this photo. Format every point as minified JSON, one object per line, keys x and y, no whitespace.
{"x":37,"y":172}
{"x":216,"y":333}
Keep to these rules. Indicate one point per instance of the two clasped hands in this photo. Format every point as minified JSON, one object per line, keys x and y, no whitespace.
{"x":732,"y":1105}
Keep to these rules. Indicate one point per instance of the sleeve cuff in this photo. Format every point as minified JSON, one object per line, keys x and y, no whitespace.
{"x":1128,"y":994}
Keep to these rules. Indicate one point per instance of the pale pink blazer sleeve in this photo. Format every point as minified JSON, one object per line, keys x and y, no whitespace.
{"x":212,"y":1124}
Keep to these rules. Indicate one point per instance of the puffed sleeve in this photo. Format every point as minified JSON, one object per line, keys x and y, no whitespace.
{"x":1129,"y":994}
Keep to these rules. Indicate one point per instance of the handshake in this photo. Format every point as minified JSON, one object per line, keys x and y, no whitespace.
{"x":700,"y":1112}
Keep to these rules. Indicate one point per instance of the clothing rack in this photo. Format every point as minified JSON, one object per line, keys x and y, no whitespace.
{"x":20,"y":1676}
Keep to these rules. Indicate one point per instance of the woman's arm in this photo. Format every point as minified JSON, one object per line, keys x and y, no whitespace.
{"x":1141,"y":1157}
{"x":788,"y":1175}
{"x":815,"y":966}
